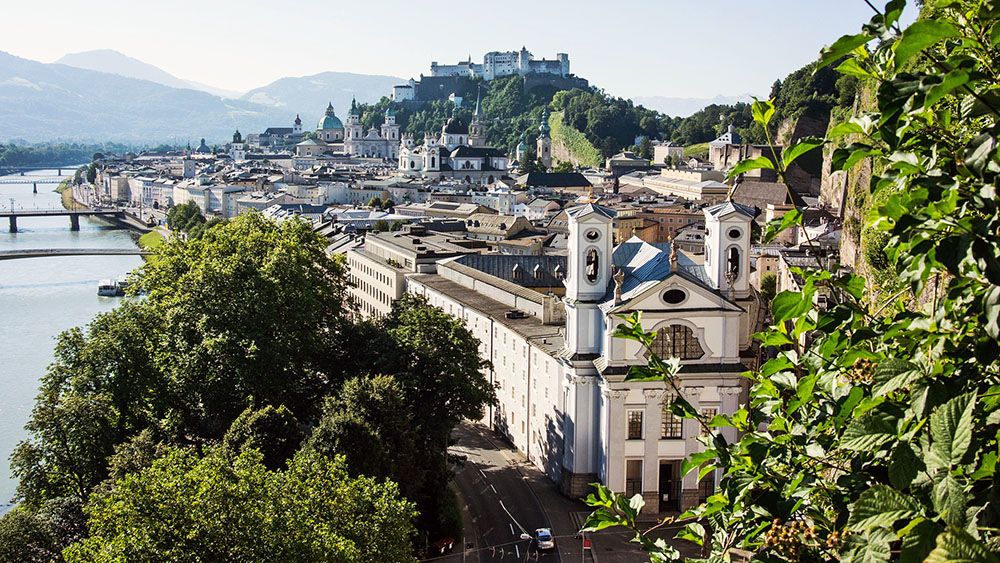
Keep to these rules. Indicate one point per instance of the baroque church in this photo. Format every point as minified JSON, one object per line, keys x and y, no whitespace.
{"x":380,"y":142}
{"x":458,"y":153}
{"x":564,"y":399}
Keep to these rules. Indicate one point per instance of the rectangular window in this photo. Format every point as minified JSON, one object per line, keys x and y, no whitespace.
{"x":707,"y":415}
{"x":633,"y":477}
{"x":671,"y":426}
{"x":635,"y":425}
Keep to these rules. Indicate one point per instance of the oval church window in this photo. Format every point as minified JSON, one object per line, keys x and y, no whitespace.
{"x":593,"y":234}
{"x":674,"y":296}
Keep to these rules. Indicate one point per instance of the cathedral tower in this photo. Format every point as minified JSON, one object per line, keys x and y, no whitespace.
{"x":544,"y":141}
{"x":353,"y":129}
{"x":477,"y":135}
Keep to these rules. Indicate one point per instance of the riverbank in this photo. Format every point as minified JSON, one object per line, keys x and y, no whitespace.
{"x":66,"y":191}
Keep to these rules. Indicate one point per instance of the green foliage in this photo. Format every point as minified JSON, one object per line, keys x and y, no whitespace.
{"x":575,"y":142}
{"x":272,"y":431}
{"x":231,"y":507}
{"x":252,"y":309}
{"x":873,"y":435}
{"x":53,"y":154}
{"x":242,"y":341}
{"x":39,"y":536}
{"x":609,"y":123}
{"x":185,"y":217}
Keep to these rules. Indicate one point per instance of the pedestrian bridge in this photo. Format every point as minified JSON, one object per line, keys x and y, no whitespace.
{"x":51,"y":252}
{"x":27,"y":179}
{"x":73,"y":214}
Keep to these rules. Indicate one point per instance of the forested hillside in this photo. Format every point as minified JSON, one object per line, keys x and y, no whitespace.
{"x":612,"y":124}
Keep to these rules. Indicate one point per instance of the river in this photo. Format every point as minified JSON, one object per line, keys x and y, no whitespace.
{"x":41,"y":297}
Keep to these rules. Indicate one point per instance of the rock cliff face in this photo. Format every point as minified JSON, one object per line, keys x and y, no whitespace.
{"x":847,"y":194}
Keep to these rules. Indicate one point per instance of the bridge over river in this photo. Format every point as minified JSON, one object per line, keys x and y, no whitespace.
{"x":73,"y":214}
{"x":50,"y":252}
{"x":29,"y":179}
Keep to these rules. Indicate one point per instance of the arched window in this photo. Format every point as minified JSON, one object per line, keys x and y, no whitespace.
{"x":433,"y":162}
{"x":677,"y":341}
{"x":592,"y":265}
{"x":733,"y":265}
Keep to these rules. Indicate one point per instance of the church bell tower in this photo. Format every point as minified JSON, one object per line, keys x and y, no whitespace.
{"x":727,"y":248}
{"x":588,"y":275}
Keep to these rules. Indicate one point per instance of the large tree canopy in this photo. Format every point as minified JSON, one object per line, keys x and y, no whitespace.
{"x":240,"y":347}
{"x":230,"y":507}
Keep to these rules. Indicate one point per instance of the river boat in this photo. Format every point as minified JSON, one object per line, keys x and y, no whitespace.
{"x":107,"y":288}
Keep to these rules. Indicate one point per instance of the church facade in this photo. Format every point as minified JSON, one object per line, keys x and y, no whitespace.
{"x":546,"y":324}
{"x":379,"y":142}
{"x":459,"y":153}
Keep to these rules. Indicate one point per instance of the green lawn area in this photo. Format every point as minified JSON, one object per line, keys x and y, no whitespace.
{"x":699,"y":150}
{"x":151,"y":240}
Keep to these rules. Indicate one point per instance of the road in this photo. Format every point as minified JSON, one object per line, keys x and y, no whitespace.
{"x":498,"y":501}
{"x":496,"y":479}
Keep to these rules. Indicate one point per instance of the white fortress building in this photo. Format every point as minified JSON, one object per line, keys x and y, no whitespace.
{"x":546,"y":324}
{"x":497,"y":64}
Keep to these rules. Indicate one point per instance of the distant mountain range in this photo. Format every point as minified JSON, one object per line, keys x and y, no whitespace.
{"x":683,"y":107}
{"x":107,"y":60}
{"x":107,"y":96}
{"x":309,"y":95}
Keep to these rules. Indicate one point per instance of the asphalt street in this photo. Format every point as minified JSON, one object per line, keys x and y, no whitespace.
{"x":499,"y":504}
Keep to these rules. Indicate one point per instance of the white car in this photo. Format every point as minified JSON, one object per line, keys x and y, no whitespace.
{"x":544,"y":539}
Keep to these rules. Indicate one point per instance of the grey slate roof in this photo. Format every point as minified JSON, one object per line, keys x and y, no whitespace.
{"x":729,"y":206}
{"x":588,"y":208}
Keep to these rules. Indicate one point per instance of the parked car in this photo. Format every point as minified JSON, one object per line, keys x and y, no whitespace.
{"x":544,"y":539}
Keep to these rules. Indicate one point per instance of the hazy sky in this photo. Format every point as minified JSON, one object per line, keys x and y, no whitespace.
{"x":686,"y":48}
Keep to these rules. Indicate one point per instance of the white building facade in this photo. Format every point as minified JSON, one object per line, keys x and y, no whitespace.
{"x":546,"y":324}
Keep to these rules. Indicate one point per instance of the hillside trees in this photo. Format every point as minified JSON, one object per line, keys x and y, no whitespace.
{"x":872,"y":435}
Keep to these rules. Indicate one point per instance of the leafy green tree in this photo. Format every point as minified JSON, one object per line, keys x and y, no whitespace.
{"x":39,"y":536}
{"x":185,"y":217}
{"x":873,"y":435}
{"x":563,"y":166}
{"x":646,"y":148}
{"x":92,"y":173}
{"x":768,"y":287}
{"x":272,"y":431}
{"x":101,"y":387}
{"x":375,"y":202}
{"x":372,"y":415}
{"x":434,"y":361}
{"x":380,"y":226}
{"x":274,"y":315}
{"x":252,"y":311}
{"x":231,"y":507}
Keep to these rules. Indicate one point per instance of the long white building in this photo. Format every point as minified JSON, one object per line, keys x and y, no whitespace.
{"x":545,"y":324}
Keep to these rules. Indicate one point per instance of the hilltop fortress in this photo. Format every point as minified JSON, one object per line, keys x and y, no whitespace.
{"x":497,"y":64}
{"x":457,"y":80}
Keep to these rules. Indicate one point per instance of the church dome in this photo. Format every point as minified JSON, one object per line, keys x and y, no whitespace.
{"x":390,"y":112}
{"x":455,"y":126}
{"x":329,"y":120}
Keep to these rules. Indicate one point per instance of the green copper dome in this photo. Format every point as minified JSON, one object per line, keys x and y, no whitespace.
{"x":329,"y":120}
